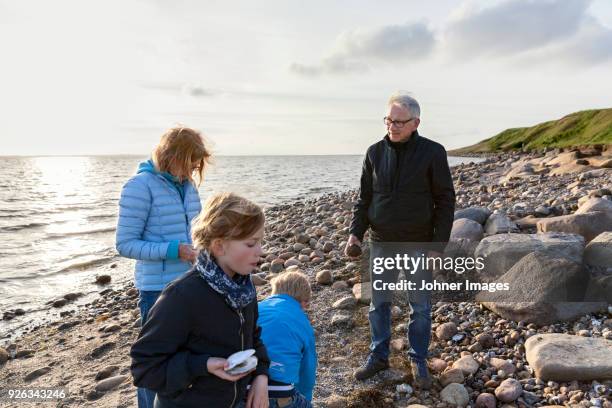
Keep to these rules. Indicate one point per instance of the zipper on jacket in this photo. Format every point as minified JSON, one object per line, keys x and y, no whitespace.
{"x":241,"y":332}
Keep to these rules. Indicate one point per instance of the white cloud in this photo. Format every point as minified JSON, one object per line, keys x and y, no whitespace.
{"x":513,"y":27}
{"x":355,"y":51}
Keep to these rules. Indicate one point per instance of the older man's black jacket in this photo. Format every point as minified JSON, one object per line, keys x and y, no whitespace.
{"x":406,"y":193}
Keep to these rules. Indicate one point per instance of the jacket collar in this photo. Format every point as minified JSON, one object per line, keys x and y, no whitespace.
{"x":411,"y":141}
{"x":289,"y":298}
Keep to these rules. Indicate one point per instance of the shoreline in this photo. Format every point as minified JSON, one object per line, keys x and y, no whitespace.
{"x":83,"y":349}
{"x":20,"y":316}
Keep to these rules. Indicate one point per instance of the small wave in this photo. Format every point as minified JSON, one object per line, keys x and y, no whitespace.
{"x":100,"y":216}
{"x":85,"y":232}
{"x":84,"y":264}
{"x":20,"y":227}
{"x":75,"y":207}
{"x":317,"y":189}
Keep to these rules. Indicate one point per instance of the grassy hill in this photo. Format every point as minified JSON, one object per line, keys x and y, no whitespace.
{"x":576,"y":129}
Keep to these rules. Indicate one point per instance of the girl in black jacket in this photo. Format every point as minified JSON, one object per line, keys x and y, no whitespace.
{"x":206,"y":315}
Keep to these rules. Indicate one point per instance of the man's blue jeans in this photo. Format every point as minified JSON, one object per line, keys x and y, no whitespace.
{"x":419,"y":326}
{"x":145,"y":303}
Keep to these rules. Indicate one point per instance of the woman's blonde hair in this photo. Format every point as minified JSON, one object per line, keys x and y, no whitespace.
{"x":292,"y":283}
{"x":226,"y":216}
{"x":183,"y":147}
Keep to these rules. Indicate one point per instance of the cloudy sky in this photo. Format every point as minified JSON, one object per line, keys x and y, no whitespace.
{"x":289,"y":76}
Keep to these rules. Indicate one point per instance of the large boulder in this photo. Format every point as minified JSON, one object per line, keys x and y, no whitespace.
{"x":464,"y":228}
{"x":599,"y":251}
{"x":564,"y":158}
{"x":601,"y":161}
{"x":576,"y":167}
{"x":543,"y":289}
{"x":500,"y":224}
{"x":501,"y":252}
{"x":588,"y":224}
{"x":478,"y":214}
{"x":564,"y":357}
{"x":595,"y":204}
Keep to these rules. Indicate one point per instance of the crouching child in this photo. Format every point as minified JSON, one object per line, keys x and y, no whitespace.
{"x":290,"y":341}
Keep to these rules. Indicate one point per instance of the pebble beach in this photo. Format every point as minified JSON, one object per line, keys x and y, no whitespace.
{"x":481,"y":355}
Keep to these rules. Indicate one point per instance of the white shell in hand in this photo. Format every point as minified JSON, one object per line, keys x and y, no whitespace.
{"x":246,"y":366}
{"x":241,"y":362}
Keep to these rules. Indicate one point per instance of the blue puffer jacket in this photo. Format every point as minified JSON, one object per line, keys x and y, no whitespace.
{"x":155,"y":214}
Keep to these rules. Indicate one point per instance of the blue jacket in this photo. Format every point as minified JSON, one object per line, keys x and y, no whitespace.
{"x":290,"y":341}
{"x":155,"y":214}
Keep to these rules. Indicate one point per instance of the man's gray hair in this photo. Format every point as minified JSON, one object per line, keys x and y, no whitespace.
{"x":405,"y":100}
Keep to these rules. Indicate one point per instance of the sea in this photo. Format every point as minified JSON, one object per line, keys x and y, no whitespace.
{"x":58,"y":215}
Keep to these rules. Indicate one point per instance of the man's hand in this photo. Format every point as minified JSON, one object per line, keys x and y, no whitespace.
{"x":258,"y":394}
{"x":187,"y":253}
{"x":353,"y":240}
{"x":217,"y":366}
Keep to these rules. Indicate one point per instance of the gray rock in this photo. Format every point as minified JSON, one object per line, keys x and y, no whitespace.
{"x":486,"y":400}
{"x":455,"y":394}
{"x":342,"y":320}
{"x":509,"y":390}
{"x":103,"y":279}
{"x":25,"y":353}
{"x":106,"y":372}
{"x":339,"y":285}
{"x":542,"y":290}
{"x":277,"y":265}
{"x":292,"y":262}
{"x":102,"y":349}
{"x":594,"y":204}
{"x":72,"y":296}
{"x":600,"y":288}
{"x":478,"y":214}
{"x":467,"y":365}
{"x":542,"y":210}
{"x":464,"y":228}
{"x":500,"y":224}
{"x":501,"y":364}
{"x":363,"y":292}
{"x":36,"y":373}
{"x":324,"y":277}
{"x":446,"y":330}
{"x":258,"y":280}
{"x":60,"y":302}
{"x":347,"y":302}
{"x":452,"y":375}
{"x":4,"y":356}
{"x":564,"y":357}
{"x":485,"y":339}
{"x":501,"y":252}
{"x":598,"y":252}
{"x":112,"y":328}
{"x":335,"y":401}
{"x":588,"y":224}
{"x":110,"y":383}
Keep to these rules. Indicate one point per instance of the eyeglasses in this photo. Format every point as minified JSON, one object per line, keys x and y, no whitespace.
{"x":398,"y":123}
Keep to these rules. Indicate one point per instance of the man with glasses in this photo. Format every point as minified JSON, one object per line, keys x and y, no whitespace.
{"x":406,"y":196}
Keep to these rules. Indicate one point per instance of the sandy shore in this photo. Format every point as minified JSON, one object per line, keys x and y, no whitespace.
{"x":87,"y":350}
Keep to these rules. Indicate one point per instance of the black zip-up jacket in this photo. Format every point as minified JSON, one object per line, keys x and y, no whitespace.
{"x":189,"y":323}
{"x":406,"y":193}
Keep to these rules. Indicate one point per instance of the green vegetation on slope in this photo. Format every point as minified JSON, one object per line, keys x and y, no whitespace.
{"x":577,"y":129}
